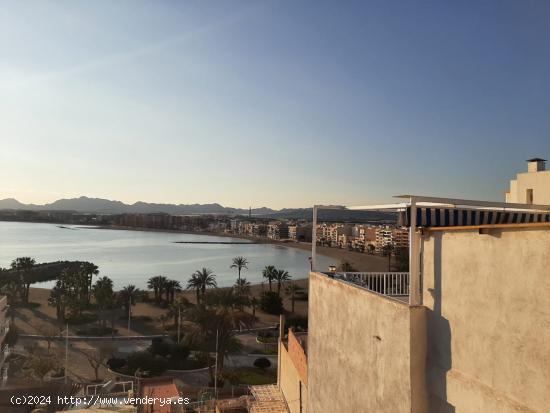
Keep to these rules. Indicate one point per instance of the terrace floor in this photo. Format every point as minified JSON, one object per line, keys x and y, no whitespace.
{"x":267,"y":399}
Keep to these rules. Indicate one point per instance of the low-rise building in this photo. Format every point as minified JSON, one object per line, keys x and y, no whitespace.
{"x":465,"y":330}
{"x":531,"y":187}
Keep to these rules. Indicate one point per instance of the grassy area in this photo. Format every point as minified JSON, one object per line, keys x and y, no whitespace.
{"x":255,"y":376}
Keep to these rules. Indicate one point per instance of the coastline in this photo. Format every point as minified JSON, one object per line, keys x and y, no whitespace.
{"x":359,"y":260}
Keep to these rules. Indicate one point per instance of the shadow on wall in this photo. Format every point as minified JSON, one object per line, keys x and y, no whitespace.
{"x":439,"y":342}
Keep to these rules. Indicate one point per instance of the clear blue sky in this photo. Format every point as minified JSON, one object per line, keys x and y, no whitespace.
{"x":270,"y":103}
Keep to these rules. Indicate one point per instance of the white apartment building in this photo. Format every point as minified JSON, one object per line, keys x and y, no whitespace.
{"x":531,"y":187}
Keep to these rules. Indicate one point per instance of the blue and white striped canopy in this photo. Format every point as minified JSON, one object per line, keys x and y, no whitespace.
{"x":451,"y":217}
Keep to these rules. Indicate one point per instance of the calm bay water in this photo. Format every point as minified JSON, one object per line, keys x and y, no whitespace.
{"x":131,"y":257}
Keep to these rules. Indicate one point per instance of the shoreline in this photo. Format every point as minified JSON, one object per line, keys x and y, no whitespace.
{"x":359,"y":260}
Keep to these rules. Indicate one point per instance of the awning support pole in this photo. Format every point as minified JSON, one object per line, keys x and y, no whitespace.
{"x":414,"y":257}
{"x":314,"y":241}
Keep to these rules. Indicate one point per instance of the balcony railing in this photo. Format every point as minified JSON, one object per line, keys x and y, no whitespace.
{"x":395,"y":284}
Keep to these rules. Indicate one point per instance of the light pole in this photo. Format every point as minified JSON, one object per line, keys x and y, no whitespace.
{"x":66,"y":352}
{"x":129,"y":312}
{"x":216,"y":370}
{"x":179,"y":322}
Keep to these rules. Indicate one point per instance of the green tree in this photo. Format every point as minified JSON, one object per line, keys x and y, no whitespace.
{"x":253,"y":303}
{"x":281,"y":276}
{"x":271,"y":303}
{"x":291,"y":290}
{"x":128,"y":297}
{"x":201,"y":280}
{"x":387,"y":250}
{"x":25,"y":266}
{"x":177,"y":307}
{"x":269,"y":274}
{"x":104,"y":295}
{"x":88,"y":270}
{"x":209,"y":322}
{"x":225,"y":298}
{"x":157,"y":284}
{"x":239,"y":263}
{"x":172,"y":287}
{"x":401,"y":259}
{"x":242,"y":289}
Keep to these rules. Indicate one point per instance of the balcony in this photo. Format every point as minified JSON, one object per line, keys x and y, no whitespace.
{"x":392,"y":284}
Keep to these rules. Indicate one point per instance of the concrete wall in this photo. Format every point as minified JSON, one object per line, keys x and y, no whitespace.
{"x":488,"y":299}
{"x":291,"y":380}
{"x":359,"y":351}
{"x":539,"y":182}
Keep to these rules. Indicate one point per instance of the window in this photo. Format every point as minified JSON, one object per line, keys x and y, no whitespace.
{"x":529,"y":196}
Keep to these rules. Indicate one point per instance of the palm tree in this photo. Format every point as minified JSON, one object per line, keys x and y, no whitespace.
{"x":269,"y":273}
{"x":291,"y":290}
{"x":25,"y":265}
{"x":239,"y":263}
{"x":157,"y":284}
{"x":89,"y":270}
{"x":179,"y":306}
{"x":281,"y":276}
{"x":388,"y":250}
{"x":201,"y":280}
{"x":172,"y":287}
{"x":242,"y":287}
{"x":225,"y":298}
{"x":128,"y":297}
{"x":103,"y":294}
{"x":253,"y":302}
{"x":209,"y":323}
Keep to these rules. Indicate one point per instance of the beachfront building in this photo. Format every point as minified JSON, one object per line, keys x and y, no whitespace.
{"x":393,"y":236}
{"x":531,"y":187}
{"x":300,"y":232}
{"x":277,"y":230}
{"x":465,"y":330}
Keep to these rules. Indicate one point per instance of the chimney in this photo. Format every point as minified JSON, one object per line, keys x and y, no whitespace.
{"x":536,"y":165}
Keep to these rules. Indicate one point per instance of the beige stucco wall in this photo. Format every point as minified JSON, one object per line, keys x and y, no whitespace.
{"x":488,"y":299}
{"x":291,"y":384}
{"x":359,"y":351}
{"x":539,"y":182}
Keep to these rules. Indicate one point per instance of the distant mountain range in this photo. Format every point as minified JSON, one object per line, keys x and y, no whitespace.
{"x":106,"y":206}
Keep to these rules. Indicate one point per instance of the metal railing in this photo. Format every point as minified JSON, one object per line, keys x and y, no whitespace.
{"x":387,"y":283}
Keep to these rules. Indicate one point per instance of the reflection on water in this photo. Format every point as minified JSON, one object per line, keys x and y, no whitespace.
{"x":131,"y":257}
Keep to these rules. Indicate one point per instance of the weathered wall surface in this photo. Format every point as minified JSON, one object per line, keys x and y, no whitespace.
{"x":297,"y":355}
{"x":291,"y":382}
{"x":488,"y":299}
{"x":359,"y":351}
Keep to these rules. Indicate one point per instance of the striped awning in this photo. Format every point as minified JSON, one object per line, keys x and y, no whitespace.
{"x":451,"y":217}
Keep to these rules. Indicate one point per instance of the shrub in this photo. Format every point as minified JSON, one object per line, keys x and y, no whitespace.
{"x":115,"y":363}
{"x":149,"y":364}
{"x":179,"y":354}
{"x":271,"y":303}
{"x":83,"y":318}
{"x":262,"y":363}
{"x":160,"y":347}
